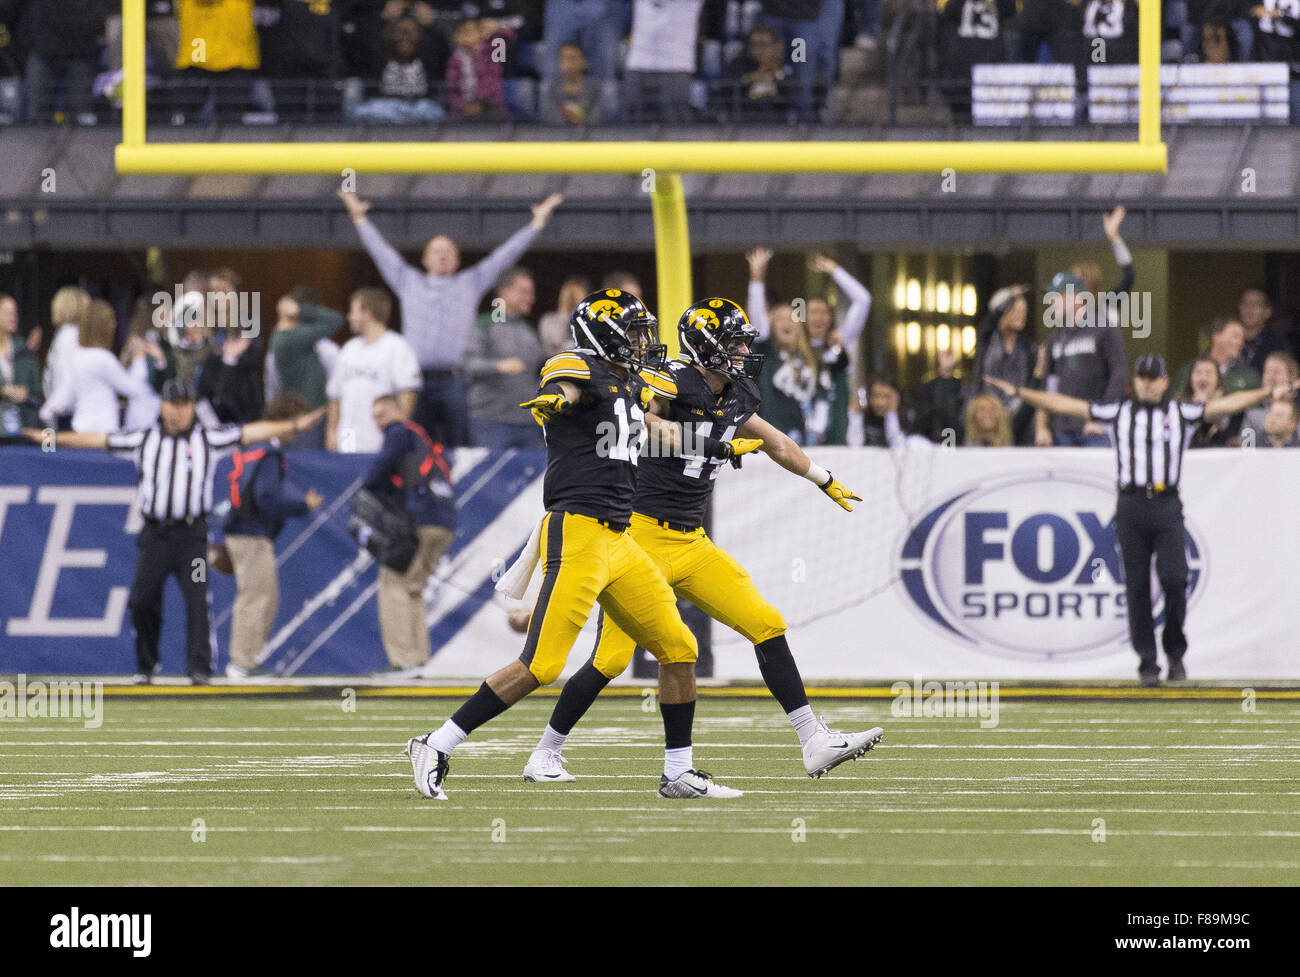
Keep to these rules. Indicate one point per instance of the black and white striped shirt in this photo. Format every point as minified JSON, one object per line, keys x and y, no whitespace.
{"x":1150,"y":440}
{"x":175,"y":470}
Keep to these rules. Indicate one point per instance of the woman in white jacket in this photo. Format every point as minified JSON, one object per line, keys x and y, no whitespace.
{"x":67,"y":311}
{"x":92,"y":379}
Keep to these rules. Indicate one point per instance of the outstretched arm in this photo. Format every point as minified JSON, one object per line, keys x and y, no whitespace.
{"x":1111,"y":223}
{"x":511,"y":250}
{"x":1050,"y":402}
{"x":1235,"y":403}
{"x":265,"y":430}
{"x":781,"y":448}
{"x":390,"y":263}
{"x":95,"y":440}
{"x":756,"y":299}
{"x":858,"y":294}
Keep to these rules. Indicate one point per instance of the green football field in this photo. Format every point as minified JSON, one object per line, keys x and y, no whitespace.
{"x":235,"y":790}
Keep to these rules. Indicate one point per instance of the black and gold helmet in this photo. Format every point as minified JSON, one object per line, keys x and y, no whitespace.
{"x":710,"y":330}
{"x":616,"y":326}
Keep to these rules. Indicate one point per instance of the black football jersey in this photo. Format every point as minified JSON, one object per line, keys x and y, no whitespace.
{"x":592,"y":450}
{"x":677,"y":489}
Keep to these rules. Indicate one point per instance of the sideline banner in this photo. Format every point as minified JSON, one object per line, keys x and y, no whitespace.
{"x":1003,"y":563}
{"x":997,"y":563}
{"x":68,"y":553}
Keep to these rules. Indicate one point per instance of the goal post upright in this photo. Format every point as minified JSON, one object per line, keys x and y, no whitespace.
{"x":672,"y":253}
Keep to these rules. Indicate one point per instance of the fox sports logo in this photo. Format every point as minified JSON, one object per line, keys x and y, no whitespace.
{"x":1029,"y":567}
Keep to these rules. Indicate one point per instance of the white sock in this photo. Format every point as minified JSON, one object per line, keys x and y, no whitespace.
{"x":804,"y":723}
{"x":447,"y":737}
{"x":678,"y":761}
{"x":551,"y":740}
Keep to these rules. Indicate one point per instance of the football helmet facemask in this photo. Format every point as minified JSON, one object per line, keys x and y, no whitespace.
{"x":617,"y":327}
{"x":710,"y":332}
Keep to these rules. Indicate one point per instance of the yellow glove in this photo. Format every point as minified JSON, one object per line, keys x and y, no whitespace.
{"x":743,"y":446}
{"x":546,"y":406}
{"x":647,"y":395}
{"x":839,"y":494}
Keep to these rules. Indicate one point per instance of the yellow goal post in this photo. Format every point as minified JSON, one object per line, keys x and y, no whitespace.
{"x":135,"y":155}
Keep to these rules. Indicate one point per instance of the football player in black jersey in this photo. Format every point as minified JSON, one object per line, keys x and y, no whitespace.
{"x":716,"y":397}
{"x":592,"y":406}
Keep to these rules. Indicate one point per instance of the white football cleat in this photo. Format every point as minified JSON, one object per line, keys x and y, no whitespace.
{"x":547,"y":767}
{"x":693,"y":784}
{"x":429,"y":766}
{"x":826,"y":749}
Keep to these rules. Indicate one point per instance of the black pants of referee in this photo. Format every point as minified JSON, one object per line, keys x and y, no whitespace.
{"x":1146,"y":527}
{"x":180,"y":550}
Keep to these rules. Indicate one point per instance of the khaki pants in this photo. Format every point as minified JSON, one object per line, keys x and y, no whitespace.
{"x":401,"y":600}
{"x":257,"y":597}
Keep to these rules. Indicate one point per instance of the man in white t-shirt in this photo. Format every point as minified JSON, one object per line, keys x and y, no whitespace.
{"x":373,"y":363}
{"x":661,"y":60}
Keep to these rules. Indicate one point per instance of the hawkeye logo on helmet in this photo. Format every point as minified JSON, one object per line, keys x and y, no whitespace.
{"x":704,"y":318}
{"x":606,"y":307}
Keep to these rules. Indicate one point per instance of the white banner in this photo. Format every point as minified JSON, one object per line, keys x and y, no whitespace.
{"x":1002,"y":563}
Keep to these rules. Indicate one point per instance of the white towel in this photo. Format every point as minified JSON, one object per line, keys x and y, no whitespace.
{"x":514,"y":582}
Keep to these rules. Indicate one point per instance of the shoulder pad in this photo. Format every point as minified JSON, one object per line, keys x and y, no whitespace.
{"x":566,"y":366}
{"x":661,"y":383}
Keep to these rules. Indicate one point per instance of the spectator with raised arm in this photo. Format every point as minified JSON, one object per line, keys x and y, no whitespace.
{"x":439,"y":304}
{"x":830,"y":345}
{"x":293,"y":361}
{"x":790,"y":372}
{"x":1085,"y":360}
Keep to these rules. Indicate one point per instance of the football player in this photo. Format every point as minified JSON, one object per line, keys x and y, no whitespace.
{"x":592,"y":408}
{"x":716,"y":397}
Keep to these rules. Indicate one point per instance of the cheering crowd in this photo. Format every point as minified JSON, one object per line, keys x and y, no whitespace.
{"x":573,"y":62}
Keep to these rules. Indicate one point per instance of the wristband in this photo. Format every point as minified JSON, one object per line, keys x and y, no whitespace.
{"x":818,"y":475}
{"x":715,"y":450}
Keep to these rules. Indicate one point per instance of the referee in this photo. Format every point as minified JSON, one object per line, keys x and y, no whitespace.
{"x":175,"y":459}
{"x":1150,"y":435}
